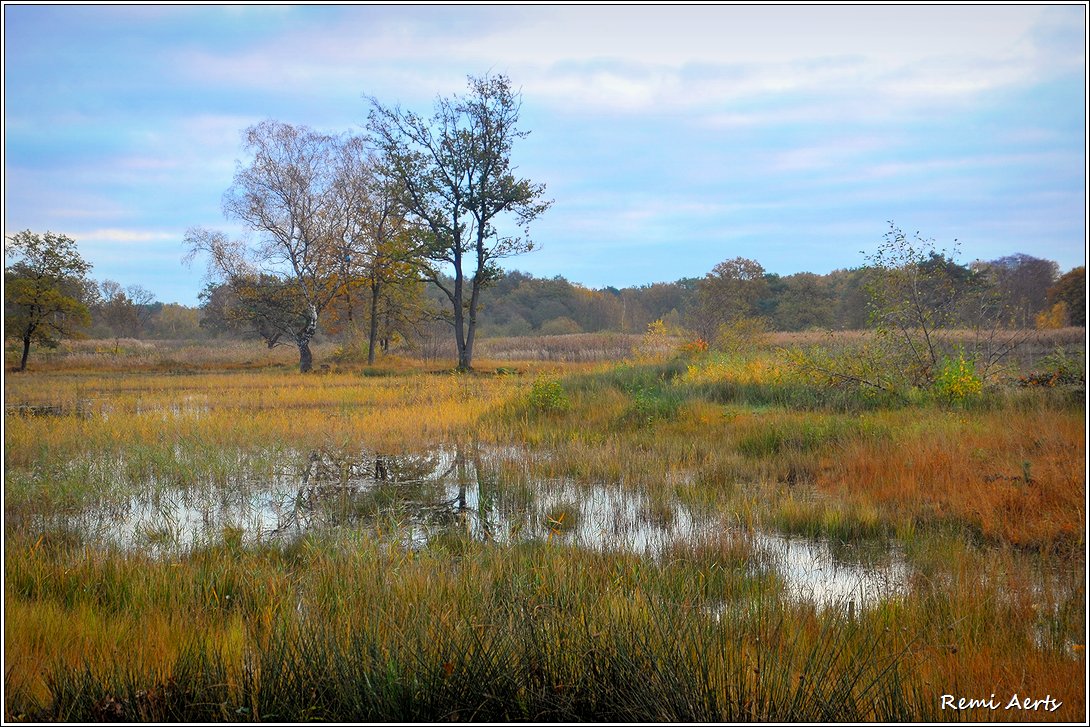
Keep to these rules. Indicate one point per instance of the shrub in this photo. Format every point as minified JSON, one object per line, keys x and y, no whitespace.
{"x":957,"y":381}
{"x":559,"y":326}
{"x":694,"y":347}
{"x":547,"y":395}
{"x":1059,"y":369}
{"x":742,"y":335}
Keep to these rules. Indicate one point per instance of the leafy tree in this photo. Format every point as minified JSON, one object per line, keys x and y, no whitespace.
{"x":124,"y":311}
{"x":215,"y":309}
{"x":728,"y":293}
{"x":261,"y":304}
{"x":457,"y":181}
{"x":383,"y":257}
{"x":45,"y":290}
{"x":1054,"y":317}
{"x":177,"y":321}
{"x":1070,"y":289}
{"x":850,"y":290}
{"x":805,"y":301}
{"x":273,"y":307}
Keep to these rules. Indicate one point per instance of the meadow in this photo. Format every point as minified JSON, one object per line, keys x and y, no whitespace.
{"x":643,"y":533}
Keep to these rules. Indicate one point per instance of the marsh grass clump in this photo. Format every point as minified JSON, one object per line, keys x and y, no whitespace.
{"x":535,"y":631}
{"x":562,"y":518}
{"x":838,"y":522}
{"x":547,"y":396}
{"x":652,"y":405}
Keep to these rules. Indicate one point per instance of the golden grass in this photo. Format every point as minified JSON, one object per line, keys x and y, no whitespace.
{"x":982,"y":501}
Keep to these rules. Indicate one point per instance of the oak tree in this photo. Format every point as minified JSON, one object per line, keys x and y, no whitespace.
{"x":45,"y":290}
{"x":457,"y":182}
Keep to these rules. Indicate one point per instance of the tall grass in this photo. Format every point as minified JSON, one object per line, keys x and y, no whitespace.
{"x":532,"y":632}
{"x":985,"y":502}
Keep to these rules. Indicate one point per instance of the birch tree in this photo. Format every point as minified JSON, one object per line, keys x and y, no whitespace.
{"x":291,"y":197}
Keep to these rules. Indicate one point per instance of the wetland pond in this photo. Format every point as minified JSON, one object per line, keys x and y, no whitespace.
{"x":445,"y":494}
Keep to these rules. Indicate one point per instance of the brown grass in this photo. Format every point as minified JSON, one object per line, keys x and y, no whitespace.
{"x":1017,"y":476}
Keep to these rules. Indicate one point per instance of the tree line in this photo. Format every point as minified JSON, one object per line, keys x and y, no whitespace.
{"x":48,"y":295}
{"x":1025,"y":291}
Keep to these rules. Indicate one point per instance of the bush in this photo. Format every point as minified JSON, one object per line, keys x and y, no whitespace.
{"x":957,"y":381}
{"x":547,"y":395}
{"x":1059,"y":369}
{"x":559,"y":327}
{"x":743,"y":335}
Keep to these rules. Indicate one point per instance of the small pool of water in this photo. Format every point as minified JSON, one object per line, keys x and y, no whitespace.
{"x":450,"y":492}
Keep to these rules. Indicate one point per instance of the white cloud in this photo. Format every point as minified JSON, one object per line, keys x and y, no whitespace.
{"x":645,"y":58}
{"x":124,"y":236}
{"x":833,"y":154}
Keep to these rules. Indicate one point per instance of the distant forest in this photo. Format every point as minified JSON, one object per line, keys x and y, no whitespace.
{"x":520,"y":304}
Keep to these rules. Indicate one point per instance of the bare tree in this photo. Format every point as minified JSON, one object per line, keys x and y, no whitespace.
{"x":1022,"y":282}
{"x":916,"y":290}
{"x":125,"y":311}
{"x":455,"y":174}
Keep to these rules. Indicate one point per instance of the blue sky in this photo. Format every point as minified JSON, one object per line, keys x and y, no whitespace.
{"x":670,"y":138}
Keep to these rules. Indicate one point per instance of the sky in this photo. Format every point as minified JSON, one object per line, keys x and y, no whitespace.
{"x":669,"y":138}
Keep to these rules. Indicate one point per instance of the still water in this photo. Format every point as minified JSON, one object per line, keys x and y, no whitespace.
{"x":417,"y":500}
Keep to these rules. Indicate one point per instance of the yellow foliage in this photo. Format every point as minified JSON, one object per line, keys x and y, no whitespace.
{"x":1053,"y":318}
{"x":761,"y":370}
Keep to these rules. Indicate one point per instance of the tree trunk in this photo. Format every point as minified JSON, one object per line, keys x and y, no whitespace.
{"x":26,"y":352}
{"x":471,"y":332}
{"x":465,"y":362}
{"x":372,"y":336}
{"x":465,"y":356}
{"x":306,"y":359}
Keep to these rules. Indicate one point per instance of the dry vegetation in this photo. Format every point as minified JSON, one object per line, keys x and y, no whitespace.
{"x":983,"y":499}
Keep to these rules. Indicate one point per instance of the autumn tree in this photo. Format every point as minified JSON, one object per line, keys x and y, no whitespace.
{"x":1070,"y":290}
{"x":728,"y":294}
{"x":45,"y":290}
{"x":382,"y":253}
{"x":124,"y":311}
{"x":177,"y":321}
{"x":292,"y":196}
{"x":251,"y":302}
{"x":457,"y":182}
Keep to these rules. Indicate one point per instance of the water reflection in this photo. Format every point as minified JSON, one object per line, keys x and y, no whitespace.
{"x":453,"y":492}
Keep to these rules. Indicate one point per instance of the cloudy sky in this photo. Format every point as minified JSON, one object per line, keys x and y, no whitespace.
{"x":669,"y":138}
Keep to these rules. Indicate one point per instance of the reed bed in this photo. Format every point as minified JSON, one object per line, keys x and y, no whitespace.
{"x":983,"y":503}
{"x":353,"y":631}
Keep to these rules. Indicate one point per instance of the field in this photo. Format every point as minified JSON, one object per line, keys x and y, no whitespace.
{"x":715,"y":536}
